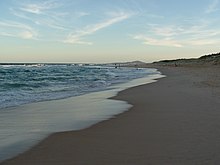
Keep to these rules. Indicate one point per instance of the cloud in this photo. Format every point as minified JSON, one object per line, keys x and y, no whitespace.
{"x":39,"y":8}
{"x":49,"y":21}
{"x":48,"y":14}
{"x":77,"y":36}
{"x":16,"y":29}
{"x":54,"y":19}
{"x":180,"y":35}
{"x":6,"y":34}
{"x":165,"y":31}
{"x":212,"y":7}
{"x":81,"y":14}
{"x":158,"y":42}
{"x":26,"y":35}
{"x":161,"y":36}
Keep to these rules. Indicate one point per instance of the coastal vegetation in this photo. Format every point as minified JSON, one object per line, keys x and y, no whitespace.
{"x":210,"y":59}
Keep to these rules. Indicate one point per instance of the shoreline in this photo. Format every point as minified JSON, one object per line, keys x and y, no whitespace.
{"x":70,"y":114}
{"x":173,"y":121}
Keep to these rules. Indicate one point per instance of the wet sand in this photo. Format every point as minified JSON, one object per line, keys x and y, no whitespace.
{"x":175,"y":121}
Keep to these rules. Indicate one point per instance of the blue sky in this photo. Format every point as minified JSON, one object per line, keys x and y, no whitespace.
{"x":107,"y":31}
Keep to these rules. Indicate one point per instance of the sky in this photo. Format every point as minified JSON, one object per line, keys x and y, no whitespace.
{"x":100,"y":31}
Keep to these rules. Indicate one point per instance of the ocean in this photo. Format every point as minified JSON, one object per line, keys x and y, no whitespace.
{"x":37,"y":100}
{"x":22,"y":84}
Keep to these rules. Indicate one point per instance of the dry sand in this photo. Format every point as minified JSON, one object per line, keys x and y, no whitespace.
{"x":175,"y":121}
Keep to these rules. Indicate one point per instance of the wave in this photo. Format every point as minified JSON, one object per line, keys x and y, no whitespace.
{"x":22,"y":84}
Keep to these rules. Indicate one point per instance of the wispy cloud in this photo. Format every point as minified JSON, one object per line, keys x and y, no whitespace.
{"x":158,"y":42}
{"x":160,"y":36}
{"x":49,"y":14}
{"x":179,"y":36}
{"x":16,"y":29}
{"x":39,"y":8}
{"x":58,"y":21}
{"x":212,"y":7}
{"x":76,"y":37}
{"x":166,"y":31}
{"x":50,"y":21}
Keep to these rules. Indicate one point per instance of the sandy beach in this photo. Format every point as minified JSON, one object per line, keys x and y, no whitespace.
{"x":175,"y":121}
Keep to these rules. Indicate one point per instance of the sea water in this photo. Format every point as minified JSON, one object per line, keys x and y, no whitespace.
{"x":37,"y":100}
{"x":22,"y":84}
